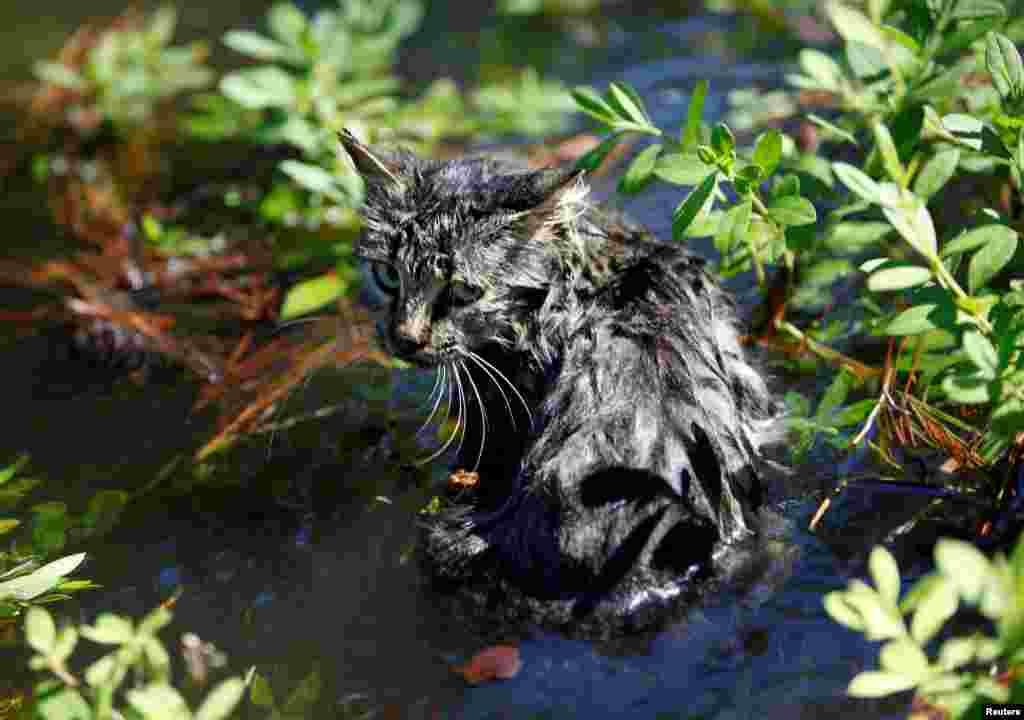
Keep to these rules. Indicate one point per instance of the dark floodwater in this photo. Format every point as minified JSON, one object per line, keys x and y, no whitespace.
{"x":298,"y":560}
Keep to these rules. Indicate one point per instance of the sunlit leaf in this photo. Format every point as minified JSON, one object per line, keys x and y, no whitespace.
{"x":981,"y":352}
{"x":912,"y":321}
{"x":964,"y":565}
{"x":768,"y":151}
{"x":109,"y":629}
{"x":681,"y":168}
{"x":630,"y":106}
{"x":159,"y":702}
{"x":640,"y":171}
{"x":903,"y":657}
{"x":976,"y":238}
{"x":967,"y":389}
{"x":910,"y":216}
{"x":222,"y":700}
{"x":872,"y":684}
{"x":40,"y":630}
{"x":694,"y":111}
{"x":885,"y":573}
{"x":593,"y":104}
{"x":287,"y":23}
{"x":792,"y":210}
{"x":1004,"y":63}
{"x":991,"y":259}
{"x":853,"y":25}
{"x":822,"y":68}
{"x":313,"y":294}
{"x":898,"y":278}
{"x":937,"y":171}
{"x":933,"y":611}
{"x":693,"y":204}
{"x":842,"y":612}
{"x":857,"y":181}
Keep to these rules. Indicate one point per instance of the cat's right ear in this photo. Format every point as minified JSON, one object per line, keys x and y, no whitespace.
{"x":368,"y":163}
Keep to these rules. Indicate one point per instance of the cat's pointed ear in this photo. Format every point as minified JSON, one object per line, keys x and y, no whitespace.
{"x":367,"y":162}
{"x":535,"y":190}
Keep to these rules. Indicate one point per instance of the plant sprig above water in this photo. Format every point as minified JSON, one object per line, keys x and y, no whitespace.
{"x":962,"y":672}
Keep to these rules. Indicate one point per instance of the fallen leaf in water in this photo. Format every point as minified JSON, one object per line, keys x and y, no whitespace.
{"x":499,"y":662}
{"x":464,"y":479}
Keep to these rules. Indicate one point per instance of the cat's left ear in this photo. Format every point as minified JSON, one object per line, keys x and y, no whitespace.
{"x":367,"y":162}
{"x":537,"y":190}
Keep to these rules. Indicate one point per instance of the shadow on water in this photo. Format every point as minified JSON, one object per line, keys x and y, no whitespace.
{"x":296,"y":553}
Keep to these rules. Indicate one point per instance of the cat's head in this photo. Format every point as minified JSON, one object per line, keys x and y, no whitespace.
{"x":464,"y":251}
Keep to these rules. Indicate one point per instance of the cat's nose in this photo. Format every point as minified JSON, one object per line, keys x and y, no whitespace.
{"x":411,"y":336}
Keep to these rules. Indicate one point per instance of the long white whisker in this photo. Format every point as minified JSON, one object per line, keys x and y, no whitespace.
{"x":462,"y":408}
{"x":472,"y":356}
{"x":437,"y":385}
{"x":483,"y":416}
{"x":509,"y":382}
{"x":447,"y":414}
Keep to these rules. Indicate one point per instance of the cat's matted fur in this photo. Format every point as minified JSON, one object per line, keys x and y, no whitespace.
{"x":596,"y":373}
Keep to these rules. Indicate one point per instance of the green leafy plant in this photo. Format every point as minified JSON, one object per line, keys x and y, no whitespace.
{"x":135,"y":651}
{"x":938,"y":291}
{"x":957,"y":673}
{"x":122,"y":75}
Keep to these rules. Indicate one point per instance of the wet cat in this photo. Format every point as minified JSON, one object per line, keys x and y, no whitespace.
{"x":597,"y":379}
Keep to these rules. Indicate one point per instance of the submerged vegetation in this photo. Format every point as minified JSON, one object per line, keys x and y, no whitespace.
{"x":875,"y":203}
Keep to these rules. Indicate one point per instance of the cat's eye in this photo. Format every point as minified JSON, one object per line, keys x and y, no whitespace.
{"x":462,"y":294}
{"x":386,"y":276}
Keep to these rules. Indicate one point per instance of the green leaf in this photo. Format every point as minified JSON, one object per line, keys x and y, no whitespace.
{"x":854,"y":26}
{"x":964,"y":565}
{"x":154,"y":621}
{"x":910,"y":216}
{"x":694,"y":111}
{"x":898,"y":278}
{"x":109,"y":629}
{"x":792,"y":210}
{"x":957,"y":652}
{"x":66,"y":703}
{"x":933,"y":611}
{"x":102,"y":671}
{"x":873,"y":684}
{"x":821,"y":68}
{"x":887,"y":149}
{"x":1004,"y":63}
{"x":286,"y":23}
{"x":856,"y":236}
{"x":833,"y":129}
{"x":312,"y":177}
{"x":593,"y":159}
{"x":628,"y":103}
{"x":903,"y":657}
{"x":593,"y":104}
{"x":105,"y":507}
{"x":981,"y":352}
{"x":976,"y":238}
{"x":310,"y":295}
{"x":992,"y":258}
{"x":38,"y":582}
{"x":59,"y":75}
{"x":694,"y":202}
{"x":640,"y":170}
{"x":977,"y":9}
{"x":857,"y":182}
{"x":881,"y":621}
{"x":221,"y":700}
{"x":965,"y":128}
{"x":159,"y":702}
{"x":260,"y":693}
{"x":722,"y":140}
{"x":885,"y":573}
{"x":40,"y":630}
{"x":681,"y":168}
{"x":768,"y":151}
{"x":968,"y":389}
{"x":161,"y":25}
{"x":255,"y":45}
{"x":842,"y":612}
{"x":259,"y":87}
{"x":912,"y":321}
{"x":936,"y":172}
